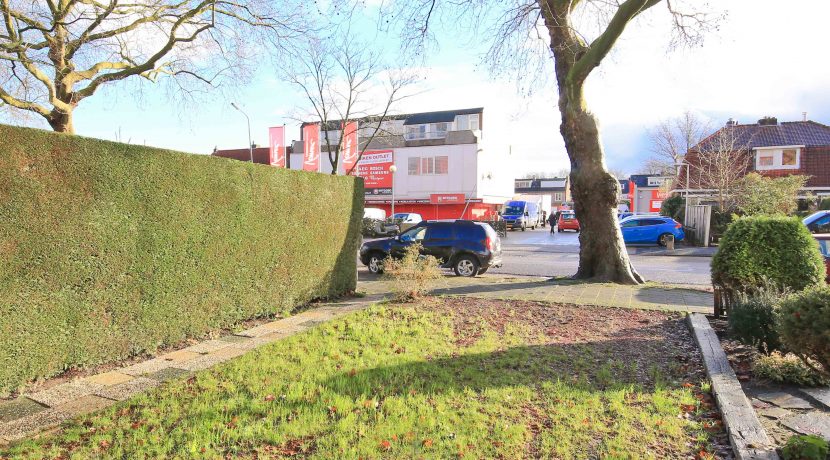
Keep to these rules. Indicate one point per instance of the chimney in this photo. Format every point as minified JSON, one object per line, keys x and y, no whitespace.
{"x":768,"y":121}
{"x":803,"y":116}
{"x":731,"y":122}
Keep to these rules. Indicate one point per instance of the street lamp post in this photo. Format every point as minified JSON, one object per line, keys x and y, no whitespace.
{"x":392,"y":170}
{"x":250,"y":144}
{"x":686,"y":201}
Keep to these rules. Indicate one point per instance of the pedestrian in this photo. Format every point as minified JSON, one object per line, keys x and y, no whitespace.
{"x":544,"y":218}
{"x":552,"y":222}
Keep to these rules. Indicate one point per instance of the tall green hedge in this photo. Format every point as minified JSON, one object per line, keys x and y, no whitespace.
{"x":757,"y":251}
{"x":110,"y":250}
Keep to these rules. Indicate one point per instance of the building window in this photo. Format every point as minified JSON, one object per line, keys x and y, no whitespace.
{"x":788,"y":157}
{"x":427,"y":166}
{"x":777,"y":158}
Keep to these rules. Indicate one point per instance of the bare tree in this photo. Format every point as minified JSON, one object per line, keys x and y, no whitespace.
{"x":578,"y":34}
{"x":718,"y":163}
{"x":345,"y":81}
{"x":56,"y":53}
{"x":671,"y":139}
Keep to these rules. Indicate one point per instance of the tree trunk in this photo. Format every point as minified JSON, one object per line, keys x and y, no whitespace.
{"x":61,"y":122}
{"x":602,"y":254}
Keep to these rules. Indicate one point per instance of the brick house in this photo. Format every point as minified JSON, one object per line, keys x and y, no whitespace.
{"x":767,"y":147}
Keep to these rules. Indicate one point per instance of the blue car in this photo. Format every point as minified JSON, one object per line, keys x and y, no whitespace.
{"x":650,"y":230}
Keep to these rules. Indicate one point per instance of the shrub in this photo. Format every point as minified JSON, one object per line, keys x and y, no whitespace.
{"x":753,"y":319}
{"x":758,"y":194}
{"x":824,"y":205}
{"x":111,"y":250}
{"x":761,"y":250}
{"x":805,"y":327}
{"x":805,"y":447}
{"x":673,"y":207}
{"x":369,"y":226}
{"x":413,"y":274}
{"x":787,"y":369}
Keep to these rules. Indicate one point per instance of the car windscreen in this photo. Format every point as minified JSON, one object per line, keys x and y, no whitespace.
{"x":513,"y":209}
{"x":568,"y":215}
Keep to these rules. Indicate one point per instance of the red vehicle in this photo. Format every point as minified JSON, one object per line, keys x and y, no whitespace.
{"x":567,"y":221}
{"x":824,"y":247}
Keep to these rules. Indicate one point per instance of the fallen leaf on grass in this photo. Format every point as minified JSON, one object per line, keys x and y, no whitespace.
{"x":270,"y":398}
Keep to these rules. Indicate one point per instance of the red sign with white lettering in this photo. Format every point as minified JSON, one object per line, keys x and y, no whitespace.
{"x":311,"y":148}
{"x":276,"y":153}
{"x":348,"y":147}
{"x":373,"y":167}
{"x":446,"y":198}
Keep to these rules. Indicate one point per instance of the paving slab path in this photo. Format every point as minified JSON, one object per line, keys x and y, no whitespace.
{"x":533,"y":288}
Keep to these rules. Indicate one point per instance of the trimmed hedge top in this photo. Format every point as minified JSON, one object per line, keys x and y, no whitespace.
{"x":758,"y":250}
{"x":112,"y":250}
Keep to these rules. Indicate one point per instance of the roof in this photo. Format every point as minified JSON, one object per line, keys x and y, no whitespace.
{"x":444,"y":116}
{"x":641,"y":180}
{"x":261,"y":154}
{"x":552,"y":184}
{"x":807,"y":133}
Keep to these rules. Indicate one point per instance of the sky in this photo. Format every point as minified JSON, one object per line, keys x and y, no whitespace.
{"x":764,"y":59}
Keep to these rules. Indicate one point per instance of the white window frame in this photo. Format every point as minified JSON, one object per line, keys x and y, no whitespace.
{"x":777,"y":157}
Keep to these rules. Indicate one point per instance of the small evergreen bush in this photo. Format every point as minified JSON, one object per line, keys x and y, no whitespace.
{"x":674,"y":207}
{"x":805,"y":327}
{"x":754,"y":319}
{"x":756,"y":251}
{"x":807,"y":447}
{"x":787,"y":369}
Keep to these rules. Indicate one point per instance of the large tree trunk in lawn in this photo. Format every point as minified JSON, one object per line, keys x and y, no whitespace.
{"x":602,"y":254}
{"x":61,"y":122}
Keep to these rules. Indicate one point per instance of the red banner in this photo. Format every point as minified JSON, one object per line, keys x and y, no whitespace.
{"x":276,"y":151}
{"x":311,"y":147}
{"x":348,"y":146}
{"x":373,"y":167}
{"x":446,"y":198}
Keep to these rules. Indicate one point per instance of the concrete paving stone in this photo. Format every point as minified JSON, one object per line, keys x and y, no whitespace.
{"x":18,"y":408}
{"x":109,"y":378}
{"x":784,"y":400}
{"x":180,"y":356}
{"x":257,"y":342}
{"x":822,"y":395}
{"x":61,"y":394}
{"x":167,"y":374}
{"x":774,"y":412}
{"x":816,"y":423}
{"x":127,"y":389}
{"x":207,"y":346}
{"x":85,"y":405}
{"x":234,"y":338}
{"x":147,"y":367}
{"x":211,"y":359}
{"x":31,"y":424}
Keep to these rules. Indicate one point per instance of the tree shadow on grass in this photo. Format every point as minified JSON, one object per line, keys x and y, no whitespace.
{"x":652,"y":359}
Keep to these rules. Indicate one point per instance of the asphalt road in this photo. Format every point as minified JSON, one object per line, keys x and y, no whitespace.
{"x":539,"y":253}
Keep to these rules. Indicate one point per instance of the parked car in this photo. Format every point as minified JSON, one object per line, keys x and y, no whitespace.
{"x":651,"y":230}
{"x":469,"y":248}
{"x":624,"y":215}
{"x":824,"y":247}
{"x":406,"y":220}
{"x":818,"y":222}
{"x":521,"y":214}
{"x":567,"y":221}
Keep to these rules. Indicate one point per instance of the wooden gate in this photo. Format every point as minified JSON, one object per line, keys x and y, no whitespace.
{"x":698,"y":222}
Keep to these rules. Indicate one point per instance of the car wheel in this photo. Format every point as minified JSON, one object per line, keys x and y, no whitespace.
{"x":466,"y":266}
{"x":375,"y":264}
{"x":662,"y":240}
{"x":524,"y":227}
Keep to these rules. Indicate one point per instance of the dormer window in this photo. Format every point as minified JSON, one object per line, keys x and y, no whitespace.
{"x":770,"y":158}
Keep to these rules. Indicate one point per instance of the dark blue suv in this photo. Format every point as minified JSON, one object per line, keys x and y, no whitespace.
{"x":469,"y":248}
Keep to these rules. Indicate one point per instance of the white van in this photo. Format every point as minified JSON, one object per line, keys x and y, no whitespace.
{"x":374,"y":213}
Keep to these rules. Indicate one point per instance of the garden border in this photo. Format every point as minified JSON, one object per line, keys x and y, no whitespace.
{"x":746,"y":435}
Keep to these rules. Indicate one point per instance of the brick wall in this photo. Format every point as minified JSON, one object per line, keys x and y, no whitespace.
{"x":815,"y":162}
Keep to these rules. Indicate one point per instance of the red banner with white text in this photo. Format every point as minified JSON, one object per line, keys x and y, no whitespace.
{"x":348,"y":146}
{"x":373,"y":167}
{"x":311,"y":147}
{"x":276,"y":143}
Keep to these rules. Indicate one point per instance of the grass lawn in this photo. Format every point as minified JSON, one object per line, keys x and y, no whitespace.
{"x":444,"y":378}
